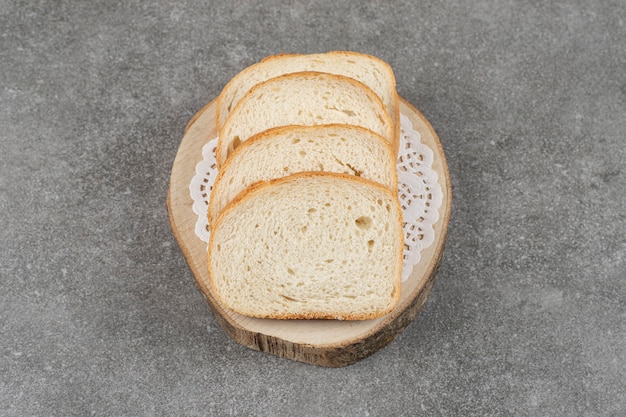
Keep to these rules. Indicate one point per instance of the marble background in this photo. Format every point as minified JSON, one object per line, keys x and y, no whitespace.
{"x":99,"y":314}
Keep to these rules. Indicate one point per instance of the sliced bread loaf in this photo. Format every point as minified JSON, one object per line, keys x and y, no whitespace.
{"x":310,"y":245}
{"x":303,"y":98}
{"x":371,"y":71}
{"x":285,"y":150}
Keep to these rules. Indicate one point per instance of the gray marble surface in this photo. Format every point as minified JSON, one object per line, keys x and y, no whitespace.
{"x":98,"y":310}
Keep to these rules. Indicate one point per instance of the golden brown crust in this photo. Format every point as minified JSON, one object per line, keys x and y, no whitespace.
{"x":277,"y":130}
{"x":321,"y":315}
{"x":233,"y":81}
{"x":396,"y":122}
{"x":390,"y":129}
{"x":256,"y":188}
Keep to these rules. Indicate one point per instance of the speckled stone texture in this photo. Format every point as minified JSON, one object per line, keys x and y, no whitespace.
{"x":98,"y":310}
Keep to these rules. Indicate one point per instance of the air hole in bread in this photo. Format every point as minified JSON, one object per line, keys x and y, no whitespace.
{"x":363,"y":222}
{"x":311,"y":210}
{"x":370,"y":245}
{"x":219,"y":248}
{"x":233,"y":145}
{"x":329,"y":261}
{"x":349,"y":113}
{"x":321,"y":166}
{"x":303,"y":229}
{"x":380,"y":202}
{"x":296,"y":140}
{"x":291,"y":271}
{"x":302,"y":153}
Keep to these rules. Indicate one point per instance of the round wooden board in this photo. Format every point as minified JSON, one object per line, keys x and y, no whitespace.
{"x":322,"y":342}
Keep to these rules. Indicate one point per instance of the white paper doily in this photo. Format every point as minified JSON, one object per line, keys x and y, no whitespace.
{"x":419,"y":192}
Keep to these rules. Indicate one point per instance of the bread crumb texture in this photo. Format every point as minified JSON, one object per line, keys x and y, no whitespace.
{"x":309,"y":246}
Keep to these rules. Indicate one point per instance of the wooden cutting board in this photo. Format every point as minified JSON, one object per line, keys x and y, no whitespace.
{"x":329,"y":343}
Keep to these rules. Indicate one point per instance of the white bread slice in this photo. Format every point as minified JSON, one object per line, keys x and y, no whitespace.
{"x":303,"y":98}
{"x":309,"y":246}
{"x":371,"y":71}
{"x":285,"y":150}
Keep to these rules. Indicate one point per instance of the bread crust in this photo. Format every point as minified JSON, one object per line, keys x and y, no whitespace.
{"x":285,"y":56}
{"x":261,"y":136}
{"x":270,"y":60}
{"x":389,"y":129}
{"x":258,"y":187}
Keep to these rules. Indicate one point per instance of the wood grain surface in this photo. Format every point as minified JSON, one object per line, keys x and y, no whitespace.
{"x":329,"y":343}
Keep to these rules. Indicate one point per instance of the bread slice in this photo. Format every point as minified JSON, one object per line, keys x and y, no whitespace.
{"x":285,"y":150}
{"x":310,"y":245}
{"x":370,"y":70}
{"x":303,"y":98}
